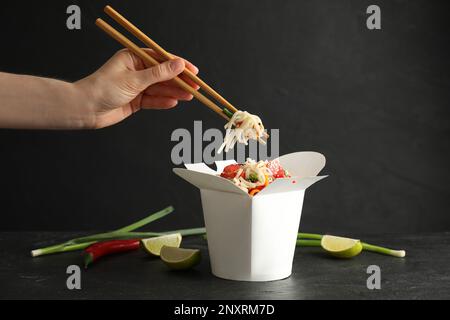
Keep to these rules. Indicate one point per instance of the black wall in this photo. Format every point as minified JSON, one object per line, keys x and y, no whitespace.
{"x":376,"y":103}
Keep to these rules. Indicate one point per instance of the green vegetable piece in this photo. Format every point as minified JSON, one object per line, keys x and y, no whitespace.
{"x":253,"y":177}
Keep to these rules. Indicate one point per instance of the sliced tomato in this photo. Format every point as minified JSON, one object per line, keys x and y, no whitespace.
{"x":229,"y":172}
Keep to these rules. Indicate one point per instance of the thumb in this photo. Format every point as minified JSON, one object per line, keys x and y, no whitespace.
{"x":162,"y":72}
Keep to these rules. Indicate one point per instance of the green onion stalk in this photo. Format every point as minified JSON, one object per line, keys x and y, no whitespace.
{"x":120,"y":234}
{"x":382,"y":250}
{"x":314,"y":240}
{"x":228,"y":113}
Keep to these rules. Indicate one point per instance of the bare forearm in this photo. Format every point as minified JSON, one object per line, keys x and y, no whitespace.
{"x":28,"y":102}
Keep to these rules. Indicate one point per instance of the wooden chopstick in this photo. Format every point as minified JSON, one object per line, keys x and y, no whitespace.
{"x":152,"y":61}
{"x":163,"y":53}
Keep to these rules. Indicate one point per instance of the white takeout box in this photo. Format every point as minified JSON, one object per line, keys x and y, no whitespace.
{"x":254,"y":238}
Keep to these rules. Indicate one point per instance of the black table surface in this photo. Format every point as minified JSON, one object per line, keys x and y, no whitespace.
{"x":423,"y":274}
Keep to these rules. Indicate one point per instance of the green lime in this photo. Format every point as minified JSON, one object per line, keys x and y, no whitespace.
{"x":341,"y":247}
{"x":180,"y":259}
{"x":153,"y":245}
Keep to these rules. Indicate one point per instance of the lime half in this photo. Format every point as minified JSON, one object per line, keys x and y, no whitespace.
{"x":180,"y":259}
{"x":341,"y":247}
{"x":153,"y":245}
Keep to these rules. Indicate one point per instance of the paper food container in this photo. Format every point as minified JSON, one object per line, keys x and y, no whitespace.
{"x":254,"y":238}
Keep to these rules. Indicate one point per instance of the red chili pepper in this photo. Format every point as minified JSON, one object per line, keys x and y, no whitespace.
{"x":101,"y":249}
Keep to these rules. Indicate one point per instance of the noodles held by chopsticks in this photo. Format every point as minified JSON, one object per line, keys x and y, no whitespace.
{"x":242,"y":127}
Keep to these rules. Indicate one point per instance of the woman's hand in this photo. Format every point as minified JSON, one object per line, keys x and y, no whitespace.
{"x":124,"y":85}
{"x":120,"y":88}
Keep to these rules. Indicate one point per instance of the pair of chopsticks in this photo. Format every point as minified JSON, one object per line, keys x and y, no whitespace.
{"x":226,"y":112}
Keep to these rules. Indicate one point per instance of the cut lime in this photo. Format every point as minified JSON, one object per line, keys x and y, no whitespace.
{"x":341,"y":247}
{"x":180,"y":259}
{"x":153,"y":245}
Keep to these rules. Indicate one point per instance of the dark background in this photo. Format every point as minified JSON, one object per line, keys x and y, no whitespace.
{"x":376,"y":103}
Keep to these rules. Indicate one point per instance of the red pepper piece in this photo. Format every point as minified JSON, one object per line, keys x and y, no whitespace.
{"x":101,"y":249}
{"x":276,"y":169}
{"x":229,"y":172}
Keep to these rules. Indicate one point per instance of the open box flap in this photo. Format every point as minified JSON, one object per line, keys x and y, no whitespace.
{"x":303,"y":164}
{"x":208,"y":181}
{"x":290,"y":184}
{"x":200,"y":167}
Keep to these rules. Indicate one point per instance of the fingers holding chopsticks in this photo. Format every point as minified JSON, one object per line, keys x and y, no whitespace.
{"x":162,"y":92}
{"x":189,"y":65}
{"x":166,"y":93}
